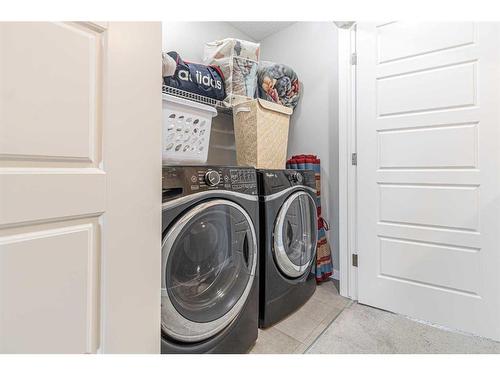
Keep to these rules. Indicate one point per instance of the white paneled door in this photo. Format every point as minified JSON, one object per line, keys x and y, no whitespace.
{"x":428,"y":119}
{"x":60,"y":188}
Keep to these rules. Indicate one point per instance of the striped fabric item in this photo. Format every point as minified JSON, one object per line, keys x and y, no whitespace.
{"x":324,"y":266}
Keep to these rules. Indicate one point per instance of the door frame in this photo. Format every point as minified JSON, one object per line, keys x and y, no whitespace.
{"x":130,"y":305}
{"x":347,"y":148}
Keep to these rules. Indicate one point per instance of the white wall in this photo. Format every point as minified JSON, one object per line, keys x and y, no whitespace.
{"x":188,"y":39}
{"x":310,"y":48}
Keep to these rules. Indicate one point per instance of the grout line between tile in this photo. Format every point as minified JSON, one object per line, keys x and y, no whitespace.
{"x":328,"y":326}
{"x":318,"y":322}
{"x":285,"y":333}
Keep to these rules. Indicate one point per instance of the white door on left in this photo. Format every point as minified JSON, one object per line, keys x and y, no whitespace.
{"x":52,"y":186}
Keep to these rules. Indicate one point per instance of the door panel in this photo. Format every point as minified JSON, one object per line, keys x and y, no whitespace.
{"x":399,"y":40}
{"x":30,"y":194}
{"x":50,"y":89}
{"x":429,"y":172}
{"x":449,"y":146}
{"x":430,"y":90}
{"x":423,"y":262}
{"x":51,"y":176}
{"x":430,"y":205}
{"x":48,"y":289}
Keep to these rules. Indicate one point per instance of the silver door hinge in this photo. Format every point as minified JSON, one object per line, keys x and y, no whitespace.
{"x":354,"y":58}
{"x":354,"y":158}
{"x":354,"y":260}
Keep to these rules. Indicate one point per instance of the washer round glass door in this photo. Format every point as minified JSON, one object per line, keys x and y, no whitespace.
{"x":209,"y":257}
{"x":295,"y":234}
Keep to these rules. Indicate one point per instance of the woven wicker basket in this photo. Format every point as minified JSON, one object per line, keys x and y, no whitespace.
{"x":261,"y":133}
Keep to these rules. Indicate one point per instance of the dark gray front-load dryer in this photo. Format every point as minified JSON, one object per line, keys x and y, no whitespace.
{"x":288,"y":227}
{"x":209,"y":301}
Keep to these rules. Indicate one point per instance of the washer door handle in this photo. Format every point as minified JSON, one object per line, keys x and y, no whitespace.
{"x":289,"y":233}
{"x":246,"y":251}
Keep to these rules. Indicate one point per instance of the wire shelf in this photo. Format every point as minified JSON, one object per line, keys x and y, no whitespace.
{"x":217,"y":104}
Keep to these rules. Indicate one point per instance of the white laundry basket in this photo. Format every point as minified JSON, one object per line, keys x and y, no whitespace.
{"x":186,"y":130}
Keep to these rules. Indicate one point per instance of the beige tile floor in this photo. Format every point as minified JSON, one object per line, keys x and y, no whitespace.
{"x":329,"y":324}
{"x":299,"y":331}
{"x":361,"y":329}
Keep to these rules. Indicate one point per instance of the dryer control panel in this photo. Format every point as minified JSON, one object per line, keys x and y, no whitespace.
{"x":275,"y":180}
{"x":178,"y":181}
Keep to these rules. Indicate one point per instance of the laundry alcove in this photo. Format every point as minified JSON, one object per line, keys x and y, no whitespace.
{"x":311,"y":50}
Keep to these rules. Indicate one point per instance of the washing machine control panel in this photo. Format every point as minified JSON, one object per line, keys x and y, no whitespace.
{"x":184,"y":180}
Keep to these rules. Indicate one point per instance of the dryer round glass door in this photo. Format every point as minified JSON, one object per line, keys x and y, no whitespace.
{"x":295,"y":234}
{"x":209,"y":257}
